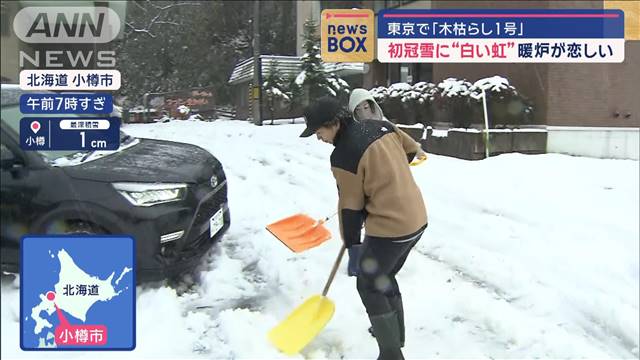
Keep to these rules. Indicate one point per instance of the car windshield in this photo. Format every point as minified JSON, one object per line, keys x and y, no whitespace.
{"x":11,"y":116}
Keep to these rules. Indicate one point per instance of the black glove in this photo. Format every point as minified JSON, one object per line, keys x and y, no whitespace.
{"x":353,"y":269}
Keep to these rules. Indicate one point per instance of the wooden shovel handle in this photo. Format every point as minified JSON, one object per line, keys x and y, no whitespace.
{"x":333,"y":271}
{"x":321,"y":222}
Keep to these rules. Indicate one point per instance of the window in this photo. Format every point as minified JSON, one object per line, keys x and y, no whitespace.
{"x":406,"y":75}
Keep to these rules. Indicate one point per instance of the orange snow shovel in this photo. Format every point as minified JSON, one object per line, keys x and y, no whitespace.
{"x":307,"y":320}
{"x":300,"y":232}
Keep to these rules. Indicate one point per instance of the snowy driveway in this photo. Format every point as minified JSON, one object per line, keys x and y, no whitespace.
{"x":525,"y":256}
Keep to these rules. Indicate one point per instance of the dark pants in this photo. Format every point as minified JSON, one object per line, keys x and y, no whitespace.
{"x":380,"y":261}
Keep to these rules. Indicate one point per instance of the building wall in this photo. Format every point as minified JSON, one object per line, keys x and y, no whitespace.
{"x":592,"y":94}
{"x":376,"y":76}
{"x":305,"y":9}
{"x":596,"y":94}
{"x":599,"y":142}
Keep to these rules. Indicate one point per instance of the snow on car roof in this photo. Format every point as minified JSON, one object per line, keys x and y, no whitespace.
{"x":10,"y":94}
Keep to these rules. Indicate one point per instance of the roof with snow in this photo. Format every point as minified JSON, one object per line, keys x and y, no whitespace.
{"x":289,"y":66}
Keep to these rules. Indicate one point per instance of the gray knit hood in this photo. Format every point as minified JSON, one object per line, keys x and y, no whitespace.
{"x":359,"y":95}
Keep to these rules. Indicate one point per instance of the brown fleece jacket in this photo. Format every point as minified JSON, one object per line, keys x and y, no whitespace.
{"x":375,"y":184}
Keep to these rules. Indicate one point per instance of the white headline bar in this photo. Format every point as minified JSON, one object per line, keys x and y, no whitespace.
{"x":86,"y":80}
{"x":500,"y":50}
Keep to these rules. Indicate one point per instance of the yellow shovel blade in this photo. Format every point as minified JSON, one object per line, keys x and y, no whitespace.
{"x":418,"y":161}
{"x":302,"y":325}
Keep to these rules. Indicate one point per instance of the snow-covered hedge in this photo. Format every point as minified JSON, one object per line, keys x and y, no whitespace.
{"x":452,"y":104}
{"x":457,"y":101}
{"x":505,"y":105}
{"x":406,"y":104}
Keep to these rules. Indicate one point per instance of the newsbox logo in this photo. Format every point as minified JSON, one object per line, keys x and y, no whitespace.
{"x":347,"y":35}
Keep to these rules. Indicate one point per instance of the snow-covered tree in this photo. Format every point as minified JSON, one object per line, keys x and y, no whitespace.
{"x":170,"y":45}
{"x":274,"y":88}
{"x":314,"y":81}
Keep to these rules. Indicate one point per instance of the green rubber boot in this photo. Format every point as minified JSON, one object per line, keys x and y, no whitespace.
{"x":387,"y":330}
{"x":396,"y":305}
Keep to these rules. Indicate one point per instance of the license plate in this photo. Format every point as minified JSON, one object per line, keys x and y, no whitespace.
{"x":216,"y":222}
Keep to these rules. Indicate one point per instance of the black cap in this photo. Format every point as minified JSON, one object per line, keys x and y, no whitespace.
{"x":319,"y":113}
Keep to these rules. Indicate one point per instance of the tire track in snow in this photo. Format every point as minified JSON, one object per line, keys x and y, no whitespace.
{"x":595,"y":331}
{"x":249,"y":289}
{"x":483,"y":331}
{"x":492,"y":289}
{"x":598,"y":331}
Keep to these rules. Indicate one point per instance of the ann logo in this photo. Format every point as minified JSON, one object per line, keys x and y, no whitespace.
{"x":347,"y":35}
{"x":65,"y":24}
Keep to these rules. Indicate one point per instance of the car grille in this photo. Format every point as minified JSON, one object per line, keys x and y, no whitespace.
{"x":208,"y":206}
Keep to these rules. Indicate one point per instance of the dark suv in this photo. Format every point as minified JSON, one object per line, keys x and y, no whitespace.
{"x":171,"y":197}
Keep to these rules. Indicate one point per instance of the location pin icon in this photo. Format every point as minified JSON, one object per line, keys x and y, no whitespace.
{"x":35,"y":126}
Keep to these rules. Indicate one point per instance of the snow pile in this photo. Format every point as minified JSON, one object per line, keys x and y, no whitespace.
{"x":454,"y":87}
{"x":494,"y":83}
{"x":515,"y":263}
{"x":195,"y":117}
{"x":440,"y":133}
{"x":414,"y":126}
{"x":315,"y":50}
{"x":338,"y":83}
{"x":421,"y":92}
{"x":300,"y":78}
{"x":398,"y":89}
{"x":184,"y":110}
{"x":379,"y":92}
{"x":277,"y":93}
{"x":83,"y":157}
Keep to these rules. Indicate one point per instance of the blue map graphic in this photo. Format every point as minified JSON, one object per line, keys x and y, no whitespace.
{"x":77,"y":293}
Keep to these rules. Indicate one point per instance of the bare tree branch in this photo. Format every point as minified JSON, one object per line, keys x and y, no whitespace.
{"x":140,"y":6}
{"x":144,"y":31}
{"x":168,"y":23}
{"x":162,"y":8}
{"x":155,"y":18}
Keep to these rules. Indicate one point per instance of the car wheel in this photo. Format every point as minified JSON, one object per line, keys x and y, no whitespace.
{"x":79,"y":228}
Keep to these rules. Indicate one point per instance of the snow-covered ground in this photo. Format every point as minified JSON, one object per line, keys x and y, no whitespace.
{"x":524,"y":257}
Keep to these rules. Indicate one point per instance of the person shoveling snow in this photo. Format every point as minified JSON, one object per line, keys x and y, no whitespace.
{"x":390,"y":206}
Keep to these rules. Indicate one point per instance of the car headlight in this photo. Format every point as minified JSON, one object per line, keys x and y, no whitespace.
{"x":145,"y":194}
